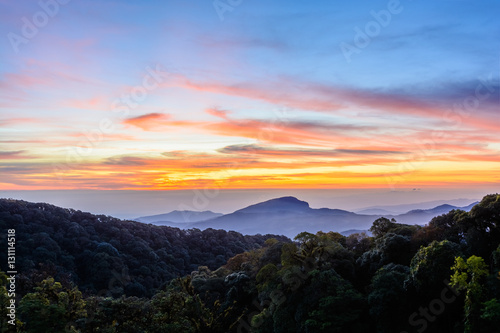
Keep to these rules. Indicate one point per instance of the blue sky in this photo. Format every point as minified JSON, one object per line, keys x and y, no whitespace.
{"x":266,"y":97}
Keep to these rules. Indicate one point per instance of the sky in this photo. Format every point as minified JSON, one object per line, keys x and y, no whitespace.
{"x":247,"y":95}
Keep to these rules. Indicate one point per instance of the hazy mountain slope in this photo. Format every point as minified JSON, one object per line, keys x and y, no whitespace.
{"x":404,"y":208}
{"x":422,"y":216}
{"x":179,"y":216}
{"x":375,"y":211}
{"x":289,"y":216}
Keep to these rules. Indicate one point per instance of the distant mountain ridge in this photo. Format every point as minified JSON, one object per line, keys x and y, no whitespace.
{"x":375,"y":211}
{"x":289,"y":216}
{"x":179,"y":216}
{"x":404,"y":208}
{"x":416,"y":216}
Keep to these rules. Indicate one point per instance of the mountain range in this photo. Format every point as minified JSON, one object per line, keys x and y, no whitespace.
{"x":403,"y":208}
{"x":179,"y":216}
{"x":290,"y":216}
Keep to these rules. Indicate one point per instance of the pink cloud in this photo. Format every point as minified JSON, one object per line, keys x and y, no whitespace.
{"x":148,"y":122}
{"x":218,"y":112}
{"x":14,"y":155}
{"x":93,"y":103}
{"x":296,"y":97}
{"x":312,"y":96}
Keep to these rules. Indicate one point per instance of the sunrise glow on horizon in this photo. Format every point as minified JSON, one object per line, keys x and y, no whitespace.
{"x":171,"y":95}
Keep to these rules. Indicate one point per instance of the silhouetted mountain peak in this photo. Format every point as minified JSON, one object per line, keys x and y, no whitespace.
{"x":291,"y":204}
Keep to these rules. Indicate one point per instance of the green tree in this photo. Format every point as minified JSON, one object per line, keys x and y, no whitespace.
{"x":382,"y":225}
{"x":52,"y":308}
{"x":336,"y":307}
{"x":359,"y":243}
{"x":180,"y":309}
{"x":430,"y":267}
{"x":325,"y":250}
{"x":481,"y":226}
{"x":490,"y":315}
{"x":469,"y":275}
{"x":447,"y":226}
{"x":289,"y":255}
{"x":387,"y":298}
{"x":266,"y":274}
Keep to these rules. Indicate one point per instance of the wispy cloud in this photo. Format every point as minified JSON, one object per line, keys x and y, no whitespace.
{"x":431,"y":101}
{"x":299,"y":153}
{"x":14,"y":155}
{"x":148,"y":121}
{"x":284,"y":132}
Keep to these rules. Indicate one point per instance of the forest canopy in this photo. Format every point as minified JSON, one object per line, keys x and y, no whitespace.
{"x":103,"y":254}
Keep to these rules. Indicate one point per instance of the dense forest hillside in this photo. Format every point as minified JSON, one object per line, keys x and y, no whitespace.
{"x":441,"y":277}
{"x":92,"y":250}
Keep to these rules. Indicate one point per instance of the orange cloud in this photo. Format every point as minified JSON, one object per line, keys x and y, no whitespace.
{"x":283,"y":132}
{"x":234,"y":169}
{"x":148,"y":121}
{"x":298,"y":133}
{"x":325,"y":135}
